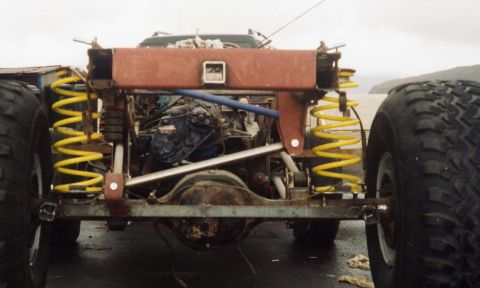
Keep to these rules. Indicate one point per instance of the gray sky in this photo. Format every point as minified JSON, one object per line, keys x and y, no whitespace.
{"x":385,"y":38}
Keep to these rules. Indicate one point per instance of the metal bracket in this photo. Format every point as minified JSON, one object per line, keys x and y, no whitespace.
{"x":370,"y":214}
{"x":47,"y":211}
{"x":292,"y":123}
{"x":114,"y":186}
{"x":342,"y":104}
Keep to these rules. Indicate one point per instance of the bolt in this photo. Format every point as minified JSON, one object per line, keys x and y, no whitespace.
{"x":382,"y":208}
{"x":295,"y":143}
{"x":113,"y":186}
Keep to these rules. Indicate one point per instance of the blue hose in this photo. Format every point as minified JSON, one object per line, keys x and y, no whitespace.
{"x":227,"y":102}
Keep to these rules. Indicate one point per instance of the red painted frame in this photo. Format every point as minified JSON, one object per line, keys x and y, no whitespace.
{"x":163,"y":68}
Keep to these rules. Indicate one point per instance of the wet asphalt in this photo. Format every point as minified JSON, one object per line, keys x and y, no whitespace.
{"x":139,"y":257}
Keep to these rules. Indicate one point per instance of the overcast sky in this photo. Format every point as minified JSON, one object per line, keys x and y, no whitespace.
{"x":385,"y":38}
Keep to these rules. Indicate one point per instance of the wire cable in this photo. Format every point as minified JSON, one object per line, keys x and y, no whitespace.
{"x":261,"y":44}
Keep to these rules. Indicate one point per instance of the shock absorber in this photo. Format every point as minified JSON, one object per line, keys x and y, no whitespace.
{"x":91,"y":181}
{"x":336,"y":141}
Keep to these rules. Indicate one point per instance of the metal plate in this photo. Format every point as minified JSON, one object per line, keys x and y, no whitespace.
{"x":145,"y":212}
{"x":157,"y":68}
{"x":114,"y":194}
{"x":291,"y":123}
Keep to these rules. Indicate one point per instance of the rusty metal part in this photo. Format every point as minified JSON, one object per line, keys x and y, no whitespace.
{"x":140,"y":211}
{"x":273,"y":209}
{"x":114,"y":186}
{"x":112,"y":125}
{"x":342,"y":101}
{"x":113,"y":117}
{"x":327,"y":70}
{"x":180,"y":68}
{"x":299,"y":193}
{"x":209,"y":91}
{"x":210,"y":233}
{"x":114,"y":189}
{"x":87,"y":115}
{"x":300,"y":179}
{"x":291,"y":123}
{"x":88,"y":122}
{"x":260,"y":178}
{"x":100,"y":84}
{"x":91,"y":147}
{"x":228,"y":197}
{"x":221,"y":194}
{"x":309,"y":154}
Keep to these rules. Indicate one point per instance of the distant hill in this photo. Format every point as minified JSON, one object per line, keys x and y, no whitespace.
{"x":366,"y":82}
{"x":458,"y":73}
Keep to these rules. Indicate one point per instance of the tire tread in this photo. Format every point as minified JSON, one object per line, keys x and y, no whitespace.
{"x":19,"y":111}
{"x":443,"y":119}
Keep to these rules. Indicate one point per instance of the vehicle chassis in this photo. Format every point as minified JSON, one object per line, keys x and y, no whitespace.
{"x":297,"y":79}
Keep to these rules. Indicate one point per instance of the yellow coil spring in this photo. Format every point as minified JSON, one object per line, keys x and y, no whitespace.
{"x":337,"y":141}
{"x":75,"y":137}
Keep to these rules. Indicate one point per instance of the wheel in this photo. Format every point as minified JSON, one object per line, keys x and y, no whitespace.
{"x":424,"y":154}
{"x":315,"y":233}
{"x":24,"y":176}
{"x":65,"y":232}
{"x":320,"y":232}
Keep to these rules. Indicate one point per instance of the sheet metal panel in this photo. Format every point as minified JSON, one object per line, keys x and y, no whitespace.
{"x":163,"y":68}
{"x":291,"y":123}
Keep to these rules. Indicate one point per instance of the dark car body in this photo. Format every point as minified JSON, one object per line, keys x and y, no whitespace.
{"x":242,"y":40}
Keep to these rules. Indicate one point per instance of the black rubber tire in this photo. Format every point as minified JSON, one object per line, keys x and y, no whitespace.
{"x":66,"y":233}
{"x":315,"y":233}
{"x":432,"y":132}
{"x":322,"y":232}
{"x":24,"y":149}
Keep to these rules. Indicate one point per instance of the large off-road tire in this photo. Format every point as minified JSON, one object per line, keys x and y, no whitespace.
{"x":321,"y":232}
{"x":66,"y":233}
{"x":315,"y":233}
{"x":424,"y":153}
{"x":24,"y":176}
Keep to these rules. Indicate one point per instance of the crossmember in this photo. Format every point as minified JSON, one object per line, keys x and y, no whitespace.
{"x":142,"y":210}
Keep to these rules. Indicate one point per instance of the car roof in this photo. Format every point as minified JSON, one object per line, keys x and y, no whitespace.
{"x":242,"y":40}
